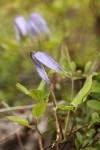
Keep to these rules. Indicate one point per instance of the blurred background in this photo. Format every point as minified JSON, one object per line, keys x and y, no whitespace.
{"x":73,"y":21}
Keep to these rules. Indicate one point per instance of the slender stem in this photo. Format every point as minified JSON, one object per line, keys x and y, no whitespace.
{"x":58,"y":126}
{"x":37,"y":128}
{"x":40,"y":143}
{"x":66,"y":123}
{"x":67,"y":117}
{"x":39,"y":136}
{"x":72,"y":89}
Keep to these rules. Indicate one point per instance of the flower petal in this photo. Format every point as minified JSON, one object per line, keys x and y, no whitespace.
{"x":20,"y":27}
{"x":47,"y":61}
{"x":39,"y":22}
{"x":33,"y":28}
{"x":41,"y":71}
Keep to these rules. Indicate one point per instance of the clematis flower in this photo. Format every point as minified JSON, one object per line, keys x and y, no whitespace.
{"x":37,"y":24}
{"x":20,"y":25}
{"x":40,"y":59}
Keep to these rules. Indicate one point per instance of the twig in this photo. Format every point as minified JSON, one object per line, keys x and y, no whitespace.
{"x":17,"y":134}
{"x":48,"y":147}
{"x":19,"y":140}
{"x":15,"y":108}
{"x":40,"y":142}
{"x":39,"y":136}
{"x":10,"y":134}
{"x":24,"y":107}
{"x":86,"y":125}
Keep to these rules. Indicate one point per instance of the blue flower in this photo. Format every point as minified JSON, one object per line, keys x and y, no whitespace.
{"x":20,"y":25}
{"x":40,"y":59}
{"x":37,"y":24}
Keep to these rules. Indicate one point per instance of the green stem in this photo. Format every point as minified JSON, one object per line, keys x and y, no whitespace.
{"x":37,"y":128}
{"x":72,"y":89}
{"x":66,"y":123}
{"x":58,"y":126}
{"x":67,"y":117}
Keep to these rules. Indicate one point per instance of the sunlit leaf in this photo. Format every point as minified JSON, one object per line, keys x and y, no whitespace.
{"x":73,"y":66}
{"x":22,"y":88}
{"x":38,"y":94}
{"x":21,"y":121}
{"x":39,"y":109}
{"x":64,"y":108}
{"x":42,"y":85}
{"x":83,"y":93}
{"x":87,"y":67}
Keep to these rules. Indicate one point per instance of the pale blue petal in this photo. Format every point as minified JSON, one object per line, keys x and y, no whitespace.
{"x":20,"y":24}
{"x":32,"y":27}
{"x":40,"y":23}
{"x":47,"y":61}
{"x":41,"y":71}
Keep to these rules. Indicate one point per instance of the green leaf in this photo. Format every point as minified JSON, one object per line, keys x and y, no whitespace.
{"x":21,"y":121}
{"x":73,"y":66}
{"x":38,"y":94}
{"x":77,"y":143}
{"x":85,"y":142}
{"x":63,"y":107}
{"x":98,"y":77}
{"x":95,"y":95}
{"x":83,"y":93}
{"x":22,"y":88}
{"x":87,"y":67}
{"x":42,"y":85}
{"x":65,"y":56}
{"x":39,"y":109}
{"x":79,"y":137}
{"x":91,"y":133}
{"x":95,"y":117}
{"x":96,"y":89}
{"x":94,"y":104}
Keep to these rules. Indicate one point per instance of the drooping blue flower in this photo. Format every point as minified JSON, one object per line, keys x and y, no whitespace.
{"x":41,"y":71}
{"x":40,"y":58}
{"x":20,"y":26}
{"x":38,"y":24}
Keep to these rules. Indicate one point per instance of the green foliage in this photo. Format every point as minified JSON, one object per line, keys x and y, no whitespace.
{"x":79,"y":137}
{"x":75,"y":45}
{"x":64,"y":108}
{"x":22,"y":88}
{"x":39,"y":109}
{"x":18,"y":120}
{"x":83,"y":93}
{"x":95,"y":117}
{"x":87,"y":67}
{"x":36,"y":94}
{"x":94,"y":104}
